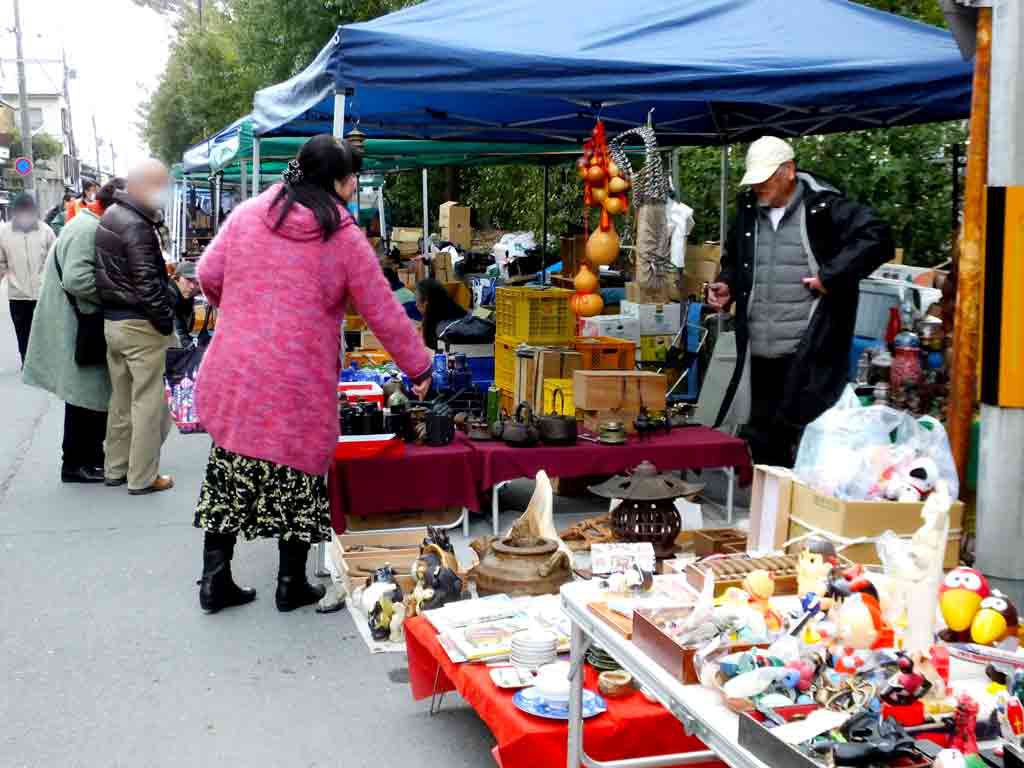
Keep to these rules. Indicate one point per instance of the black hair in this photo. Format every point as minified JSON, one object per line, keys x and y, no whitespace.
{"x":68,"y":197}
{"x":105,"y":196}
{"x":392,"y":277}
{"x":87,"y":183}
{"x":440,"y":307}
{"x":321,"y":161}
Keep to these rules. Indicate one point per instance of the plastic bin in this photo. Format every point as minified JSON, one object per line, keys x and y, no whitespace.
{"x":482,"y":368}
{"x":603,"y":353}
{"x":505,"y":363}
{"x":535,"y":315}
{"x":563,"y":405}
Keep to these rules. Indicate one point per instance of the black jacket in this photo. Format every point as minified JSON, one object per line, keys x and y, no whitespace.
{"x":848,"y":242}
{"x":131,"y":276}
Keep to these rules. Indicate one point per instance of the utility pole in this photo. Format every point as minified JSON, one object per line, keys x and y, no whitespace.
{"x":26,"y":118}
{"x":96,"y":139}
{"x":1000,"y":480}
{"x":72,"y":149}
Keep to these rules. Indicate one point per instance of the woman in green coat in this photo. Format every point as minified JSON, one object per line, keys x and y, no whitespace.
{"x":50,"y":362}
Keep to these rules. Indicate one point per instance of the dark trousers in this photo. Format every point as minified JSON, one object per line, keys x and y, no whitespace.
{"x":21,"y":315}
{"x":772,"y":440}
{"x":84,"y":431}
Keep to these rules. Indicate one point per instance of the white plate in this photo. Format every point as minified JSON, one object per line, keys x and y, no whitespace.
{"x":510,"y":677}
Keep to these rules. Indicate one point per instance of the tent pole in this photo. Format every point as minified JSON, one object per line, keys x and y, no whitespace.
{"x":544,"y":241}
{"x":256,"y":164}
{"x":243,"y":179}
{"x":723,"y":199}
{"x":339,"y":114}
{"x":216,"y":203}
{"x":426,"y":215}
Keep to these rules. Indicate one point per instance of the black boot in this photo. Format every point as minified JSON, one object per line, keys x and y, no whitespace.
{"x":293,"y":588}
{"x":218,"y":589}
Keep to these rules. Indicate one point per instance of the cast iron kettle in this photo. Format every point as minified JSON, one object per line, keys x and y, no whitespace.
{"x":440,"y":426}
{"x":556,"y":429}
{"x":521,"y":432}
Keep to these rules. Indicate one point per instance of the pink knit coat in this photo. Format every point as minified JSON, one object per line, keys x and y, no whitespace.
{"x":267,"y":387}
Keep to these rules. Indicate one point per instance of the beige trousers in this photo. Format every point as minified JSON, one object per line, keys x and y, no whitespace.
{"x":138,"y":421}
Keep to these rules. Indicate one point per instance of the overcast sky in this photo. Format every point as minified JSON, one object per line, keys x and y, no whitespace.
{"x":118,"y":50}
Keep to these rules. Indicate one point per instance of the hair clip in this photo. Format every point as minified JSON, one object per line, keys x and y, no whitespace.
{"x":293,"y":174}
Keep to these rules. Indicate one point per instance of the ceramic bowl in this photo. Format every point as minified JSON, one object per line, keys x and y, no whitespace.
{"x":553,"y":681}
{"x":613,"y":684}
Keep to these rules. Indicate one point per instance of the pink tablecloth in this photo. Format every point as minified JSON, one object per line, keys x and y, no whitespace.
{"x":684,"y":448}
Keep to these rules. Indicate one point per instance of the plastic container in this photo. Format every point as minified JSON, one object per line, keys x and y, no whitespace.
{"x":505,"y":363}
{"x":535,"y":315}
{"x":603,"y":353}
{"x":563,"y":405}
{"x":482,"y":369}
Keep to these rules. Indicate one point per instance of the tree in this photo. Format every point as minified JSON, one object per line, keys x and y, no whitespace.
{"x":44,"y":145}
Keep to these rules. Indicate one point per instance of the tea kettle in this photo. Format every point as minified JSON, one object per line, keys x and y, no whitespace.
{"x":556,"y":429}
{"x":522,"y":431}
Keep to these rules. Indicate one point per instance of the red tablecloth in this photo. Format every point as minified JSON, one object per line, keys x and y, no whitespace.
{"x":425,"y":478}
{"x":684,"y":448}
{"x":632,"y":726}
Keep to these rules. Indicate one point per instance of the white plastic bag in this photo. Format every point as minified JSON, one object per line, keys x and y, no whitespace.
{"x":851,"y":452}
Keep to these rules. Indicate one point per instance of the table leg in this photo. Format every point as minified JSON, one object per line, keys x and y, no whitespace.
{"x":730,"y":492}
{"x":465,"y":522}
{"x":577,"y":656}
{"x":496,"y":508}
{"x":436,"y":699}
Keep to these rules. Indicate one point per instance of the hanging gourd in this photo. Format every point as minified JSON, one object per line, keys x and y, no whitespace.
{"x":586,"y":304}
{"x":585,"y":281}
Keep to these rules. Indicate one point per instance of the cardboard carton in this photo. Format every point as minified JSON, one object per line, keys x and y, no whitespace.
{"x":613,"y":326}
{"x":455,"y":224}
{"x":654,"y":319}
{"x":671,"y":290}
{"x":460,"y":293}
{"x":407,"y":240}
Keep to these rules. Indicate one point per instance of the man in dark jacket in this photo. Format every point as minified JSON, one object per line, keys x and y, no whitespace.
{"x":792,"y":264}
{"x":138,"y":309}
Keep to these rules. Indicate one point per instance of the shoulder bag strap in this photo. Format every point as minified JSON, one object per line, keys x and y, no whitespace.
{"x":60,"y":276}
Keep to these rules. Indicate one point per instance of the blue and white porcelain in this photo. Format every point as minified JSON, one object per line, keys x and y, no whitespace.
{"x":531,"y":701}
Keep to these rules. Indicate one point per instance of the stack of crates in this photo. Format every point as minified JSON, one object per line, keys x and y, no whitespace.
{"x":538,"y":317}
{"x":603,"y":353}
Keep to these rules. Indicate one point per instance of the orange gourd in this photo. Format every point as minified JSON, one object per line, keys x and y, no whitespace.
{"x":585,"y":280}
{"x":603,"y":247}
{"x":586,"y":304}
{"x":614,"y":205}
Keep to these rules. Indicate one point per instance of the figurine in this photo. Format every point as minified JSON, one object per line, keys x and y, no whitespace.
{"x":964,"y":725}
{"x":906,"y":686}
{"x":995,"y":620}
{"x":437,"y":540}
{"x":382,"y":613}
{"x":397,"y":633}
{"x":816,"y":561}
{"x":861,"y":625}
{"x":436,"y":585}
{"x":960,"y":598}
{"x":760,"y":585}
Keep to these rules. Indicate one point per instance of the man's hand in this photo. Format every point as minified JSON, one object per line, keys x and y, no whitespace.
{"x":814,"y":284}
{"x":719,"y":295}
{"x":422,"y":389}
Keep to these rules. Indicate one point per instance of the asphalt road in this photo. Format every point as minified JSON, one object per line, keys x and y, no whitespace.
{"x":107,"y":660}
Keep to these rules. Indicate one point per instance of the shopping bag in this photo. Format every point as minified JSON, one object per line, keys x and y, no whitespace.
{"x":180,"y":384}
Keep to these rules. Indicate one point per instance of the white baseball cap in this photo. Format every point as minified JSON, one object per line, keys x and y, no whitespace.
{"x":764,"y":158}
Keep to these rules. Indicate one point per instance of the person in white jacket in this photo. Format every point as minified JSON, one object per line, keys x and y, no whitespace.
{"x":24,"y":243}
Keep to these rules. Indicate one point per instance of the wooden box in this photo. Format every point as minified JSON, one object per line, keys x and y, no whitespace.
{"x":677,"y":659}
{"x":625,"y":391}
{"x":713,"y":541}
{"x":731,"y":571}
{"x":572,"y":250}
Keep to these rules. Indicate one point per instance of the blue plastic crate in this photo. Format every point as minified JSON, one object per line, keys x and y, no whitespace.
{"x":481,"y":367}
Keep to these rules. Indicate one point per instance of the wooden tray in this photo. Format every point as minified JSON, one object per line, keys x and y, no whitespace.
{"x":663,"y":649}
{"x":730,"y":571}
{"x":712,"y":541}
{"x":616,"y":621}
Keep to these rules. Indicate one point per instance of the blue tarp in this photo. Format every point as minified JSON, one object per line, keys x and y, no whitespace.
{"x":714,"y":71}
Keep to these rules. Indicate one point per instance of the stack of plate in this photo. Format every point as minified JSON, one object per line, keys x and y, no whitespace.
{"x":533,"y":648}
{"x":601,"y":661}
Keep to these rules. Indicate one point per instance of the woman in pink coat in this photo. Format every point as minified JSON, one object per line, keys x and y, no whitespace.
{"x":281,"y":271}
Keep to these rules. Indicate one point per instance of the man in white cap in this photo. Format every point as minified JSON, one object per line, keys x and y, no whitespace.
{"x":792,"y":264}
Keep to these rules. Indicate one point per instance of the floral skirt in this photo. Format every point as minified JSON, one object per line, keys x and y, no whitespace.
{"x":261,"y":499}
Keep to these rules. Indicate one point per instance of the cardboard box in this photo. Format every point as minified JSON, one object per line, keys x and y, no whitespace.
{"x":855,"y":519}
{"x":704,"y":252}
{"x":671,"y":290}
{"x":455,"y":224}
{"x":613,"y":326}
{"x":572,"y":251}
{"x":460,"y":293}
{"x":369,"y":341}
{"x":626,"y":391}
{"x":697,"y":273}
{"x":654,"y":319}
{"x":407,"y":240}
{"x":771,"y":498}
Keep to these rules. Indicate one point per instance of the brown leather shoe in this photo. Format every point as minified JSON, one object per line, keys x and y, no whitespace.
{"x":162,"y":483}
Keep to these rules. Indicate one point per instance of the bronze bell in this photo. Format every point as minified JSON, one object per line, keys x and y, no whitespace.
{"x":647,"y":512}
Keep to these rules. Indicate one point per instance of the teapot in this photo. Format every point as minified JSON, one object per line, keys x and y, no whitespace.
{"x":522,"y":431}
{"x":556,"y":429}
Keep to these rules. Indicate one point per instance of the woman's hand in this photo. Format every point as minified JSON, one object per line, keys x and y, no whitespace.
{"x":422,"y":389}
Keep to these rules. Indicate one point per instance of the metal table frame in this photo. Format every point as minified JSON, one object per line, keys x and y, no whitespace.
{"x":701,"y":711}
{"x":729,"y":508}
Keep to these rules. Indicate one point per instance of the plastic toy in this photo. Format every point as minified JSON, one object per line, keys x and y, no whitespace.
{"x":960,"y":598}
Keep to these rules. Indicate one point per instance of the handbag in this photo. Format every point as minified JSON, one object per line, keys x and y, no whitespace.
{"x":90,"y":343}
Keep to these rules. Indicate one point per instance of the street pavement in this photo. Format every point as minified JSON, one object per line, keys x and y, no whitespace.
{"x":108,"y":662}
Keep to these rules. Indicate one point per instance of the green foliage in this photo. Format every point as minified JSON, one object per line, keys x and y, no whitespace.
{"x":44,"y":146}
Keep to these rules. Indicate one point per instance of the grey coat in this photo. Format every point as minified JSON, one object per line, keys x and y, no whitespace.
{"x":50,"y":362}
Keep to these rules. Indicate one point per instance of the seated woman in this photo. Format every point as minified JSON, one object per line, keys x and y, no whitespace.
{"x":437,"y":308}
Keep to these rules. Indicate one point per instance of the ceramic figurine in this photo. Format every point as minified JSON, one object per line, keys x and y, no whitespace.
{"x":905,"y":687}
{"x":861,"y":625}
{"x":995,"y":620}
{"x":435,"y":585}
{"x":397,"y":633}
{"x":960,"y":598}
{"x":760,"y":585}
{"x":382,"y":613}
{"x":816,"y":561}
